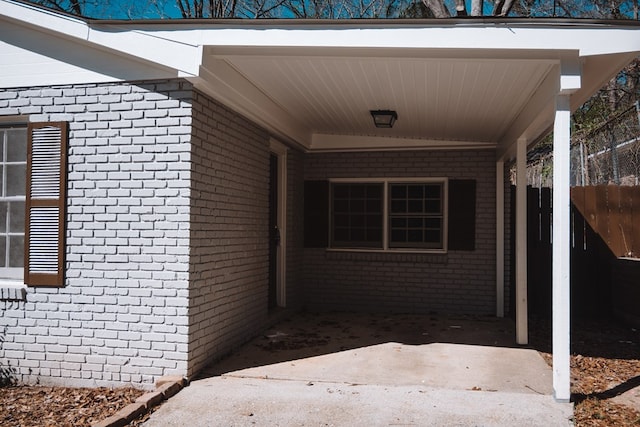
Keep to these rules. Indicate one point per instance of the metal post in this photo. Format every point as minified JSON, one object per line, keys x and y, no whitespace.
{"x":613,"y":146}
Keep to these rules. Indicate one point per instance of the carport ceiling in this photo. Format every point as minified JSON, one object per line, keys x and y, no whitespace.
{"x":442,"y":99}
{"x":460,"y":99}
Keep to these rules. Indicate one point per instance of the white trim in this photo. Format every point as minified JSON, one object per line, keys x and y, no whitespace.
{"x":522,"y":335}
{"x":281,"y":150}
{"x":385,"y":219}
{"x":385,"y":212}
{"x":561,"y":269}
{"x":390,"y":251}
{"x":394,"y":179}
{"x":336,"y":143}
{"x":500,"y":238}
{"x":11,"y":273}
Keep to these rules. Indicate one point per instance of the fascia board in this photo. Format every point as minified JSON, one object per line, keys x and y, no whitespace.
{"x":31,"y":58}
{"x":34,"y":16}
{"x":334,"y":143}
{"x":183,"y":57}
{"x":186,"y":58}
{"x":588,"y":41}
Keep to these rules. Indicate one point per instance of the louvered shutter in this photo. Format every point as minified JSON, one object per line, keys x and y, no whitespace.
{"x":462,"y":215}
{"x":316,"y":214}
{"x":45,"y":204}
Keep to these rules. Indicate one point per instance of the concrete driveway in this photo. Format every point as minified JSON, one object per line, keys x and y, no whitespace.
{"x":339,"y":369}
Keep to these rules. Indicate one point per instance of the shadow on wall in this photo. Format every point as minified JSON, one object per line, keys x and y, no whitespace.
{"x":7,"y":372}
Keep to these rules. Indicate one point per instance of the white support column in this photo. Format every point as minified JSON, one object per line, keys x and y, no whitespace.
{"x":500,"y":238}
{"x":522,"y":333}
{"x":561,"y":268}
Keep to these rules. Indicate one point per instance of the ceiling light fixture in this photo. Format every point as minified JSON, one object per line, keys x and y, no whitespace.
{"x":384,"y":118}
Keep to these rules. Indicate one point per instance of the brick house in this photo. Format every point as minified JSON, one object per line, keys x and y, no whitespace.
{"x":186,"y":182}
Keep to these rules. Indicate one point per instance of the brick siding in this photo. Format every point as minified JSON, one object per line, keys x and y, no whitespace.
{"x":230,"y":206}
{"x":456,"y":282}
{"x":122,"y":315}
{"x":167,"y":237}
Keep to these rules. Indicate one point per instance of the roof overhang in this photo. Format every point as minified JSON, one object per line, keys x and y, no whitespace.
{"x":459,"y":83}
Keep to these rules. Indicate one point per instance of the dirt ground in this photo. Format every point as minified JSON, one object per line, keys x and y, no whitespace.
{"x":605,"y":368}
{"x":60,"y":406}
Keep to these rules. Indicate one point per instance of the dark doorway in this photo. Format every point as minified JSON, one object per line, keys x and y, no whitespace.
{"x":274,"y":232}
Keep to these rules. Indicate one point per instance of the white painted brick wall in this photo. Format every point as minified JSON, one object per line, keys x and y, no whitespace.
{"x":122,"y":316}
{"x":229,"y":259}
{"x":458,"y":282}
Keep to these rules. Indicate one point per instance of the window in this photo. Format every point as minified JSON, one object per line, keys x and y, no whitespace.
{"x":357,"y":215}
{"x":13,"y":161}
{"x":33,"y":159}
{"x":416,"y":215}
{"x":388,"y":214}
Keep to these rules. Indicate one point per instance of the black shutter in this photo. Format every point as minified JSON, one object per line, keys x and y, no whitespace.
{"x":316,"y":214}
{"x":462,"y":215}
{"x":45,"y":204}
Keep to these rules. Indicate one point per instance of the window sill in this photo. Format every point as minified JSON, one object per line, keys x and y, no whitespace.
{"x":390,"y":255}
{"x":12,"y":290}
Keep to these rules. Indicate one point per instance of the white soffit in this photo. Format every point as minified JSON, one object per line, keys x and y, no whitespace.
{"x":437,"y":99}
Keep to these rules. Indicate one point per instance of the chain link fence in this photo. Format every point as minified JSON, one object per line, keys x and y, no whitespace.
{"x":608,"y":154}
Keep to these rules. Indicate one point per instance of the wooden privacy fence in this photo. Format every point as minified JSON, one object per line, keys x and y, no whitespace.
{"x":591,"y":258}
{"x":613,"y":212}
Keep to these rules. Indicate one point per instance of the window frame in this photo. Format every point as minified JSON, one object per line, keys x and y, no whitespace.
{"x":385,"y":182}
{"x":13,"y":274}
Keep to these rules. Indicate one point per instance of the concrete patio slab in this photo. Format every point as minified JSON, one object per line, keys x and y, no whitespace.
{"x":360,"y":370}
{"x":440,"y":365}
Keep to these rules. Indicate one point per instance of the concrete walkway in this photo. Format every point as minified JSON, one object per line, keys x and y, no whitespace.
{"x":352,"y":370}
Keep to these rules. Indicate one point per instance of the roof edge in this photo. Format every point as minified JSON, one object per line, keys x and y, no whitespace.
{"x":376,"y":23}
{"x":472,"y":21}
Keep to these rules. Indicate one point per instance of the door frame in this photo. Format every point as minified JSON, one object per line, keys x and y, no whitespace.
{"x":280,"y":150}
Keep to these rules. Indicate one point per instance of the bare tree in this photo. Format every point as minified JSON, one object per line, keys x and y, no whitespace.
{"x":344,"y":9}
{"x":71,"y":6}
{"x":476,"y":7}
{"x":437,"y":8}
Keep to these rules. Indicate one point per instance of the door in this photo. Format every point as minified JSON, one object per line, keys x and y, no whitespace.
{"x":277,"y":225}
